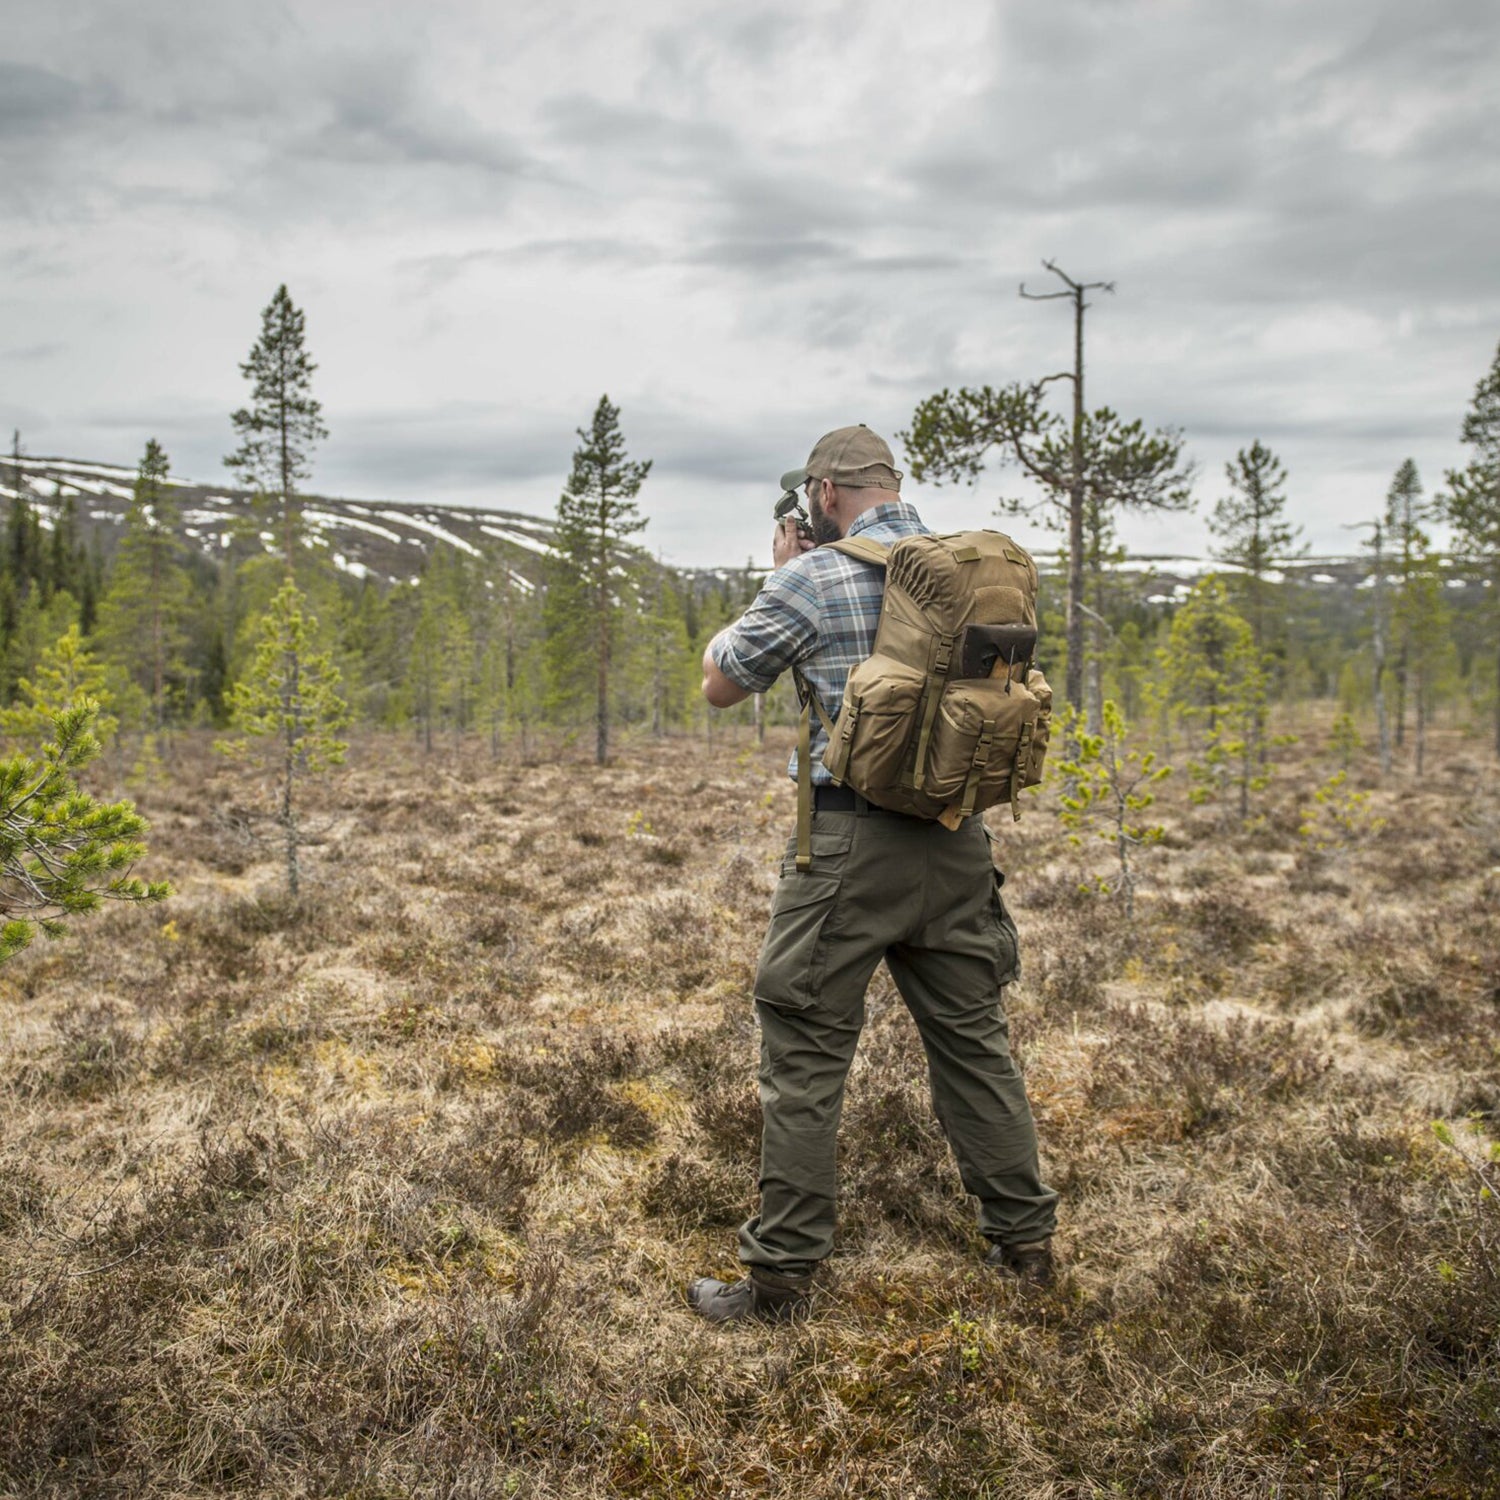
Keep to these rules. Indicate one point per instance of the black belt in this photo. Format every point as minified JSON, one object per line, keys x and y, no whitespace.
{"x":844,"y":799}
{"x":838,"y":799}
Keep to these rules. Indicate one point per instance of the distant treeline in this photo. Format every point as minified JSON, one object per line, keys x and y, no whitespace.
{"x":600,"y":633}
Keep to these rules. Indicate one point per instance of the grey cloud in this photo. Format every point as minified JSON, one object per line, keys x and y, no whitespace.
{"x":31,"y":353}
{"x":767,"y":254}
{"x":376,"y":111}
{"x":35,"y":99}
{"x":439,"y":270}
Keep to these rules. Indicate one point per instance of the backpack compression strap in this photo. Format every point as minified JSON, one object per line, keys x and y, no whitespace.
{"x":864,"y":550}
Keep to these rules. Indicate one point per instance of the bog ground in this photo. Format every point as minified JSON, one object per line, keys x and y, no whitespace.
{"x":395,"y":1191}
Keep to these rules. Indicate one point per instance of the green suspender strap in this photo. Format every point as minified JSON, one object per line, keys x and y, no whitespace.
{"x":804,"y":766}
{"x":936,"y":682}
{"x":977,"y":765}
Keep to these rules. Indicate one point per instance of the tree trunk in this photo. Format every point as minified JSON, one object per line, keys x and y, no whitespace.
{"x":1495,"y":610}
{"x":1419,"y":697}
{"x":1403,"y":682}
{"x":1075,"y":518}
{"x":1382,"y":725}
{"x":158,"y":667}
{"x":288,"y":804}
{"x":1095,"y":694}
{"x":601,"y":707}
{"x":288,"y":533}
{"x":760,"y":718}
{"x":601,"y":712}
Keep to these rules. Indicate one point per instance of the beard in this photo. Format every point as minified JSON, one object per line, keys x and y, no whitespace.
{"x":823,"y":529}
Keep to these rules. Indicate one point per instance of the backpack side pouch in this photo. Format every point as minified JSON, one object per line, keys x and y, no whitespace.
{"x":981,"y":742}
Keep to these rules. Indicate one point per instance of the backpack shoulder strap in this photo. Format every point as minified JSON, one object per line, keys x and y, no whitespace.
{"x":864,"y":548}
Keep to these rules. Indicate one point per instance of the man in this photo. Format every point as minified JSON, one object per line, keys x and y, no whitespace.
{"x":881,"y":886}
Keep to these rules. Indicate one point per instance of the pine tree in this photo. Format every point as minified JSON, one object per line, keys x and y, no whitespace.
{"x":25,"y":550}
{"x":61,"y":852}
{"x":1252,"y":527}
{"x":1216,"y":683}
{"x":1404,"y":514}
{"x":1106,"y":789}
{"x":1422,"y":614}
{"x":35,"y":624}
{"x":66,"y":675}
{"x":1472,"y":505}
{"x":507,"y":651}
{"x":1097,"y":465}
{"x":440,"y":669}
{"x":149,"y":596}
{"x":283,"y":425}
{"x":595,"y":514}
{"x":289,"y":704}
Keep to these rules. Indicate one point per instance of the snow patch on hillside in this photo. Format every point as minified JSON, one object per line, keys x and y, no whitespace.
{"x":420,"y":523}
{"x":520,"y":539}
{"x":327,"y":518}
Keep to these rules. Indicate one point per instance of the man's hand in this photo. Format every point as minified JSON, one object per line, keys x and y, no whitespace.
{"x":789,"y":542}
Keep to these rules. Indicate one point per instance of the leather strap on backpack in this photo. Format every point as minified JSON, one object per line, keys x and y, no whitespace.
{"x":863,"y":548}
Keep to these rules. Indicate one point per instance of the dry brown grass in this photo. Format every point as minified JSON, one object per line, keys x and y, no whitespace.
{"x":395,"y":1191}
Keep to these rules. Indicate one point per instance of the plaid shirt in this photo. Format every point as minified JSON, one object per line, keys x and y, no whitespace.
{"x":817,"y":612}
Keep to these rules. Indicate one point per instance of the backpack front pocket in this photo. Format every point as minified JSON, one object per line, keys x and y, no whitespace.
{"x":872,"y":741}
{"x":980,"y":731}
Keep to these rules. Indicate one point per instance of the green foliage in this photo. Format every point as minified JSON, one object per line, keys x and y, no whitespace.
{"x":1116,"y":465}
{"x":1105,"y":790}
{"x":1345,"y":739}
{"x":1251,"y":525}
{"x":1339,"y":817}
{"x":283,"y":424}
{"x":1216,"y":683}
{"x":590,"y":587}
{"x":66,"y":676}
{"x":145,"y":610}
{"x":1472,"y":504}
{"x":288,"y":712}
{"x":61,"y":852}
{"x":954,"y":434}
{"x":441,"y":670}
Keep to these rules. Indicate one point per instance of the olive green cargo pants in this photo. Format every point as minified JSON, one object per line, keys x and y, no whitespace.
{"x":927,"y":901}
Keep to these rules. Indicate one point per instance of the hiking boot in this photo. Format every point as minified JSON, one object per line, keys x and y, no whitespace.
{"x":766,"y":1295}
{"x":1030,"y":1264}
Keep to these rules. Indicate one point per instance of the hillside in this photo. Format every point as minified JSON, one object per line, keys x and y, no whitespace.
{"x":389,"y":540}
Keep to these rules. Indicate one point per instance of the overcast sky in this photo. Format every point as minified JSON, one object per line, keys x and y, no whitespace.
{"x":747,"y":227}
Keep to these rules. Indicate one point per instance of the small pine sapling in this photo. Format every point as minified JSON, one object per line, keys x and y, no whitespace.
{"x":1216,"y":679}
{"x":61,"y":852}
{"x":66,"y":676}
{"x":1106,"y":788}
{"x":288,"y":702}
{"x":1339,"y":817}
{"x":1345,"y":739}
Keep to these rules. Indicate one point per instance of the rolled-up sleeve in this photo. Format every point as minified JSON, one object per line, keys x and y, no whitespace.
{"x":779,"y":630}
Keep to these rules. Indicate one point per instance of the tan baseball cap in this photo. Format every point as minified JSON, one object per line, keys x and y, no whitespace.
{"x":852,"y":457}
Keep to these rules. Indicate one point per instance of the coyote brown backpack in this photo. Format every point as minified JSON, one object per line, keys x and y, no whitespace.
{"x":915,"y":735}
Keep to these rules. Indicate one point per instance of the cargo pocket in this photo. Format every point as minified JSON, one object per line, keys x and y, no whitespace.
{"x":803,"y":912}
{"x":1007,"y":939}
